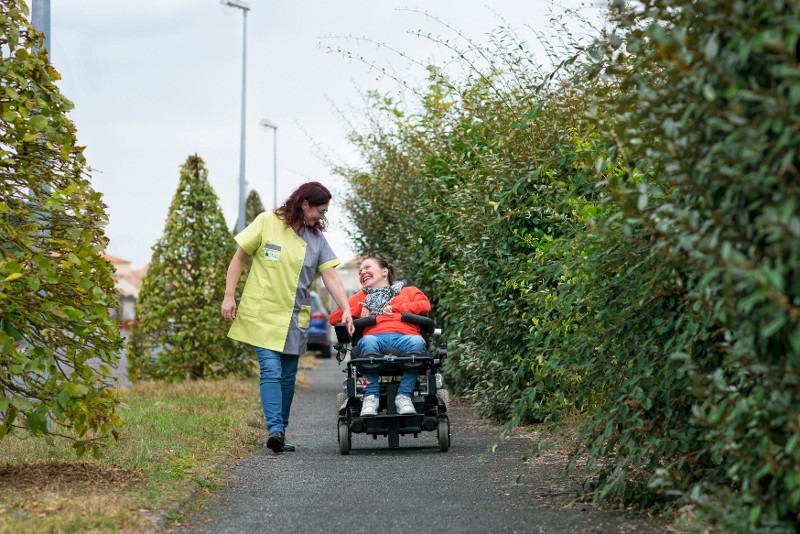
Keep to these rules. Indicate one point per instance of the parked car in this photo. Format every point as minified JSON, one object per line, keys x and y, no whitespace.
{"x":318,"y":338}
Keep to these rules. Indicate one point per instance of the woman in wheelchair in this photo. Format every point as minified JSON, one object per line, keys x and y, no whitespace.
{"x":386,"y":299}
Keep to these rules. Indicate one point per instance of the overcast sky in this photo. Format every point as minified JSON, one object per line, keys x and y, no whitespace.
{"x":154,"y":81}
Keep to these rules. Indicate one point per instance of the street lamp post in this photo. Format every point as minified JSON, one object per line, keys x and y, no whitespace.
{"x":268,"y":124}
{"x":245,"y":7}
{"x":40,"y":18}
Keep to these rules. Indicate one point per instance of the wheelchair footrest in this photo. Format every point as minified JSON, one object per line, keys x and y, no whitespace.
{"x":407,"y":424}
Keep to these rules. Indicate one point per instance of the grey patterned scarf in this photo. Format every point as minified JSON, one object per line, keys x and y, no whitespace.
{"x":379,"y":297}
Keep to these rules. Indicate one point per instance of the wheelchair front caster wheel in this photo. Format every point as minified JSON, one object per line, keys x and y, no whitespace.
{"x":340,"y":398}
{"x":344,"y":438}
{"x":444,"y":434}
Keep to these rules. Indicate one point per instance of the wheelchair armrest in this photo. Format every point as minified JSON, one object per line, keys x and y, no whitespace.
{"x":342,"y":336}
{"x":365,"y":321}
{"x":425,"y":324}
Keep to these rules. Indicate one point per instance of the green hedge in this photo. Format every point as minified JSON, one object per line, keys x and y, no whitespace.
{"x":709,"y":99}
{"x":57,"y":340}
{"x":617,"y":243}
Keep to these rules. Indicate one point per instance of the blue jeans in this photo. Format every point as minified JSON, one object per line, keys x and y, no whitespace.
{"x":401,"y":342}
{"x":278,"y":374}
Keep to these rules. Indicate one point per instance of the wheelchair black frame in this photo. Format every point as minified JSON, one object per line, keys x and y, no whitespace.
{"x":428,"y":401}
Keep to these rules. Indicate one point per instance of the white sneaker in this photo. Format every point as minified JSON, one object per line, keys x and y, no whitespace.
{"x":369,"y":406}
{"x":404,"y":405}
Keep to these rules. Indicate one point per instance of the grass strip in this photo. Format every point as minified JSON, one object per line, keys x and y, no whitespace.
{"x":174,"y":435}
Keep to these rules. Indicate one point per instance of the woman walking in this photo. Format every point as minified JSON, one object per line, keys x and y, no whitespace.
{"x":288,"y":251}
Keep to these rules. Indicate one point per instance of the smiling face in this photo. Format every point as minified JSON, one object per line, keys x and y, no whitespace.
{"x":370,"y":274}
{"x":313,"y":214}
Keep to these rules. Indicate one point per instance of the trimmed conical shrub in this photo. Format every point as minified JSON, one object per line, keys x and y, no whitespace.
{"x":178,"y":330}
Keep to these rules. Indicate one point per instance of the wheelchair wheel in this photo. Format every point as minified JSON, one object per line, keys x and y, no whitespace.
{"x":444,"y":433}
{"x":340,"y":398}
{"x":344,"y":438}
{"x":444,"y":396}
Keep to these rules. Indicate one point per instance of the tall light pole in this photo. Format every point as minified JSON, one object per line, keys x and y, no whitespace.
{"x":266,"y":123}
{"x":245,"y":7}
{"x":40,"y":18}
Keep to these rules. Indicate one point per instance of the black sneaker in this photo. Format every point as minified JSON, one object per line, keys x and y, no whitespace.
{"x":276,"y":442}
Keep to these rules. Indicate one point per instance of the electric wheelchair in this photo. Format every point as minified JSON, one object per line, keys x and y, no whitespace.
{"x":429,"y":397}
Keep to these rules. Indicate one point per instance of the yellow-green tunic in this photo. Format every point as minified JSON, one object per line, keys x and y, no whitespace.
{"x":275,"y":308}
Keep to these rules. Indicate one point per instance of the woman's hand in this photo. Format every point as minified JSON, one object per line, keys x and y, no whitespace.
{"x":335,"y":287}
{"x":347,"y":318}
{"x":229,"y":308}
{"x":364,"y":312}
{"x":388,"y":310}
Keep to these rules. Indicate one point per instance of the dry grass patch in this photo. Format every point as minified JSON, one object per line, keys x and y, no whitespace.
{"x":69,"y":497}
{"x":174,"y":436}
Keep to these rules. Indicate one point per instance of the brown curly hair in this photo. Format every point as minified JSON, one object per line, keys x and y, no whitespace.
{"x":291,"y":212}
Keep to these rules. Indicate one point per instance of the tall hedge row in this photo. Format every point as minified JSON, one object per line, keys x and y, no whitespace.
{"x":714,"y":86}
{"x":617,"y":242}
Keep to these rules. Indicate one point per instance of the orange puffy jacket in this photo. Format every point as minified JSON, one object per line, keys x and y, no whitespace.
{"x":409,"y":300}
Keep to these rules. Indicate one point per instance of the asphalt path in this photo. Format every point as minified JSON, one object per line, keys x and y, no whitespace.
{"x":415,"y":488}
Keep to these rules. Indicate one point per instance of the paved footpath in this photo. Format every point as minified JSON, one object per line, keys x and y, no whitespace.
{"x":413,"y":489}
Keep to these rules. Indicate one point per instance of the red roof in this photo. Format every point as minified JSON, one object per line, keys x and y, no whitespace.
{"x":113,"y":259}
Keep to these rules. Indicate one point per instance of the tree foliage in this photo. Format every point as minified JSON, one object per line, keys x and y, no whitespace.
{"x":708,"y":99}
{"x":472,"y":190}
{"x":57,"y":341}
{"x":178,"y":330}
{"x":617,"y":242}
{"x":252,"y":208}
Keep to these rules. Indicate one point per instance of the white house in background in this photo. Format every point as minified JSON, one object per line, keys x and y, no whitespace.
{"x":128,"y":282}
